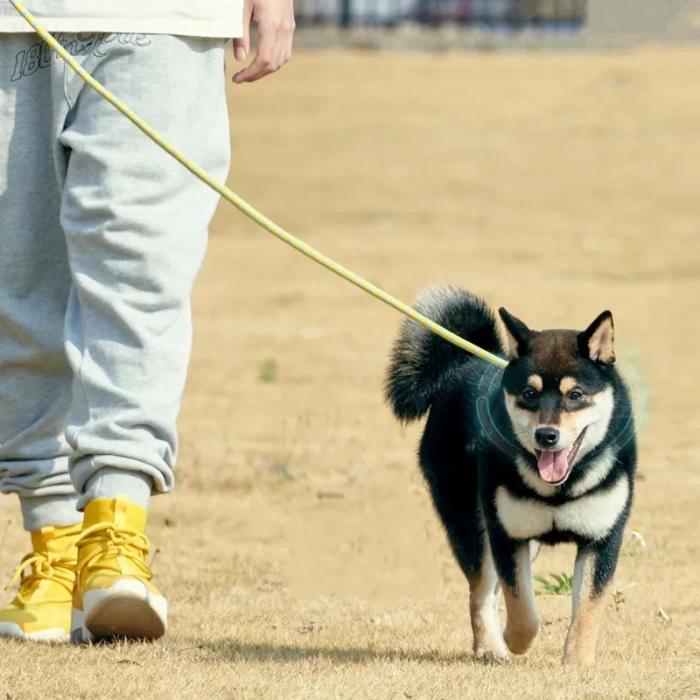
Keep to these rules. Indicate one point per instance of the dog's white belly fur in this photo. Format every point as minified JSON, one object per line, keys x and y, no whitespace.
{"x":590,"y":516}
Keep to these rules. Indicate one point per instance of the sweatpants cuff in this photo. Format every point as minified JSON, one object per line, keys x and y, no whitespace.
{"x":49,"y":511}
{"x":109,"y":483}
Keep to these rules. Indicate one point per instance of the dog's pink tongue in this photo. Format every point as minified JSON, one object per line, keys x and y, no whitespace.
{"x":553,"y":465}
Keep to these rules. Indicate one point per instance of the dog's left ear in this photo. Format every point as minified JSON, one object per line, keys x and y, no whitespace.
{"x":598,"y":340}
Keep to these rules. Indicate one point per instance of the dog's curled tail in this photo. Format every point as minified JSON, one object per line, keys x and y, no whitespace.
{"x":423,"y":364}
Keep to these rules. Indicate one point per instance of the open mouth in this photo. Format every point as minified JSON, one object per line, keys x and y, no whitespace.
{"x":554,"y":465}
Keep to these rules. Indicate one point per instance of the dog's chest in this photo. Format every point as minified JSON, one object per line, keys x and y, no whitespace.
{"x":592,"y":516}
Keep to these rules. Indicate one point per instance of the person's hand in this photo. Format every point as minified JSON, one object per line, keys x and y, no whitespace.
{"x":275,"y":20}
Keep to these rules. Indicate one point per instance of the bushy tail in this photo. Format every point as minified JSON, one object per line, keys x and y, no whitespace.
{"x":422,"y":363}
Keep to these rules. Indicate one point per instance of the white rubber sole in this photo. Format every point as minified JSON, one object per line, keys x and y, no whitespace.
{"x":49,"y":636}
{"x":126,"y":610}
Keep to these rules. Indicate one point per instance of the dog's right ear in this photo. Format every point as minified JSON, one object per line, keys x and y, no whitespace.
{"x":518,"y":334}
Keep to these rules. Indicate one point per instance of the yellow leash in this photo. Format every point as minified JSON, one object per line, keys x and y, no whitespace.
{"x":252,"y":213}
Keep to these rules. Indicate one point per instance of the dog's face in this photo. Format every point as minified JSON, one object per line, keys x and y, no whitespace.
{"x":559,"y":391}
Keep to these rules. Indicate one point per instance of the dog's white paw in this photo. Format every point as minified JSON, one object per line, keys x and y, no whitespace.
{"x":491,"y":656}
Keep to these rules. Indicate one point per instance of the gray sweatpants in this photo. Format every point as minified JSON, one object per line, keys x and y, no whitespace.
{"x":101,"y":237}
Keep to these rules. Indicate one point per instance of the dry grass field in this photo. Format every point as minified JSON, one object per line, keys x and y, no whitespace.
{"x":301,"y":555}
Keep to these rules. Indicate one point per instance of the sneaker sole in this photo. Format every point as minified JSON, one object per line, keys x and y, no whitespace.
{"x":48,"y":636}
{"x":126,"y":610}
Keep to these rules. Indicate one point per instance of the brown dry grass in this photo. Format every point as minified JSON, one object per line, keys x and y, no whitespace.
{"x":301,"y":555}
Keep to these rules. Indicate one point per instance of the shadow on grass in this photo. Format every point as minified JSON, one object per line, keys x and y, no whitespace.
{"x":234,"y":650}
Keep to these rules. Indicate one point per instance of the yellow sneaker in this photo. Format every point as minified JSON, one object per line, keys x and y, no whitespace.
{"x":41,"y":610}
{"x":113,"y":596}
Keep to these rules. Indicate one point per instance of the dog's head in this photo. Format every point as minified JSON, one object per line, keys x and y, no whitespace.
{"x":559,"y":391}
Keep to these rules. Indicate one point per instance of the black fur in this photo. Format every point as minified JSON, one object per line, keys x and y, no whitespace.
{"x":469,"y":446}
{"x":423,"y":365}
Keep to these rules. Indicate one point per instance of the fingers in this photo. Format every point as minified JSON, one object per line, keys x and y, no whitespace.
{"x":275,"y":31}
{"x":273,"y":52}
{"x":240,"y":51}
{"x":241,"y":47}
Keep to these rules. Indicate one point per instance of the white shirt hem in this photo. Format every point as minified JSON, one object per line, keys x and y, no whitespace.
{"x":199,"y":28}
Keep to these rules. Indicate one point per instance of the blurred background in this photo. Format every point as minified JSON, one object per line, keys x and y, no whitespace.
{"x":458,"y":22}
{"x":496,"y":14}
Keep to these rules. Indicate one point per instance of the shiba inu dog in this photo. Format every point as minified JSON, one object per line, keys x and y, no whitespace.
{"x":541,"y":453}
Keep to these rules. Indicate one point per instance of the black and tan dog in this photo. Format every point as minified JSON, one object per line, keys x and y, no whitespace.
{"x":542,"y":452}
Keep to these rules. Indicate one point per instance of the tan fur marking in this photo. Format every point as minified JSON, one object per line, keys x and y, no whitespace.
{"x":597,"y":418}
{"x":582,"y":639}
{"x":506,"y":340}
{"x":511,"y":344}
{"x":483,"y":609}
{"x":601,"y":343}
{"x":570,"y":423}
{"x":523,"y":422}
{"x":488,"y":639}
{"x":535,"y":381}
{"x":586,"y":614}
{"x":522,"y":623}
{"x":566,"y":385}
{"x":596,"y":415}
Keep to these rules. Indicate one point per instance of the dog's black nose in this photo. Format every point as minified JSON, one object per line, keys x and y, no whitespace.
{"x":546,"y":437}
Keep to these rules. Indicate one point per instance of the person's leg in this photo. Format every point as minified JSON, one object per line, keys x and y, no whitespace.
{"x":135,"y":224}
{"x":35,"y":377}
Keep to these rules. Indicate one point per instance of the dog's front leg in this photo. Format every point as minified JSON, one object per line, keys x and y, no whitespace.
{"x":513,"y":565}
{"x":594,"y":569}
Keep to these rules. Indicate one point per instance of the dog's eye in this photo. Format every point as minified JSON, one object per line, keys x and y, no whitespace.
{"x":575,"y":395}
{"x":529,"y":394}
